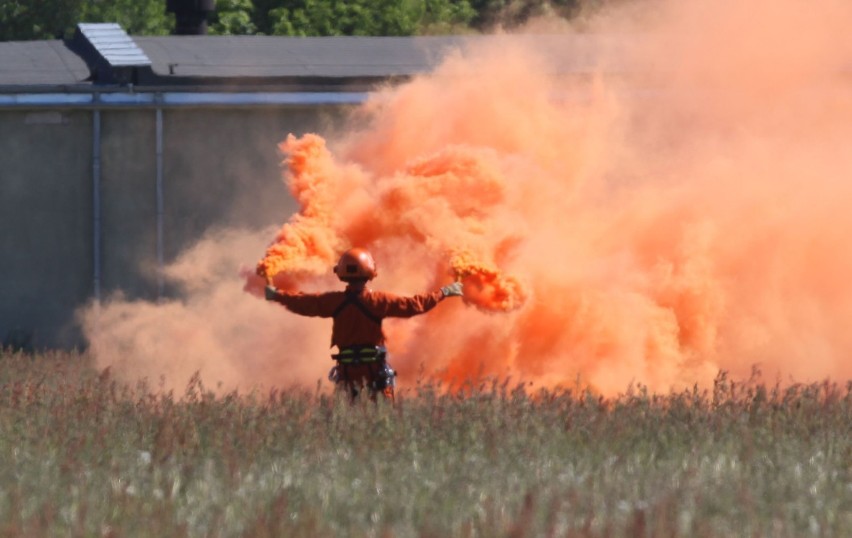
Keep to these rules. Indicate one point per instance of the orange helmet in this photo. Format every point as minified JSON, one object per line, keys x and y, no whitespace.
{"x":355,"y":263}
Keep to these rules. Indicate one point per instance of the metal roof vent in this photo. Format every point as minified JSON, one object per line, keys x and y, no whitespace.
{"x":112,"y":55}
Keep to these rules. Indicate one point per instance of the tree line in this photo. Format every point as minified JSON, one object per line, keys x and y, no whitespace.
{"x":22,"y":20}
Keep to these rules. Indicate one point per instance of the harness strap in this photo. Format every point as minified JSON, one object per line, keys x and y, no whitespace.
{"x":380,"y":379}
{"x":360,"y":355}
{"x":352,"y":299}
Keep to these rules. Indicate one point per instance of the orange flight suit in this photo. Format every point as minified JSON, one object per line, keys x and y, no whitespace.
{"x":358,"y":315}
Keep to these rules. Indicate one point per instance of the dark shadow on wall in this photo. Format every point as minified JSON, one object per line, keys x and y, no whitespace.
{"x":19,"y":340}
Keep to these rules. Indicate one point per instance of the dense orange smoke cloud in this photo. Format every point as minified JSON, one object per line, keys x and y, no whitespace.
{"x":233,"y":340}
{"x":339,"y":203}
{"x":657,"y":226}
{"x":676,"y":205}
{"x":308,"y":244}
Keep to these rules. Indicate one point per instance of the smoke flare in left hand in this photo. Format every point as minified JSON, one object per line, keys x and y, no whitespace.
{"x":308,"y":243}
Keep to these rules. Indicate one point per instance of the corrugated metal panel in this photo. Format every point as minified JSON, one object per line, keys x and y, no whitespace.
{"x":114,"y":45}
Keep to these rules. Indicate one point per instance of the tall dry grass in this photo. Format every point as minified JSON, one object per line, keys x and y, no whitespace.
{"x":84,"y":455}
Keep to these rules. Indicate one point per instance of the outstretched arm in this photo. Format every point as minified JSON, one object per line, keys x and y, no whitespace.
{"x":406,"y":307}
{"x":305,"y":304}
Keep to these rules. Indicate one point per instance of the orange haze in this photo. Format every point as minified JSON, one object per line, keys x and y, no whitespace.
{"x":679,"y":207}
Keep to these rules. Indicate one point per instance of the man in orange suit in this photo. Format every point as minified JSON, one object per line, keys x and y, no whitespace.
{"x":357,"y":328}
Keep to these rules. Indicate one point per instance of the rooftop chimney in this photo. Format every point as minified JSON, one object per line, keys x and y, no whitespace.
{"x":190,"y":15}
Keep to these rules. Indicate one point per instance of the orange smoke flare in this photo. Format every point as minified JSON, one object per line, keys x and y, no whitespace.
{"x":486,"y":287}
{"x":307,"y":244}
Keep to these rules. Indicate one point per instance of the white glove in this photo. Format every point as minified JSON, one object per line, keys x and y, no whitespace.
{"x":452,"y":290}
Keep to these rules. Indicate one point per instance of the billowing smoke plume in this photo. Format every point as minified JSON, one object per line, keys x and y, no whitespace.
{"x":681,"y":211}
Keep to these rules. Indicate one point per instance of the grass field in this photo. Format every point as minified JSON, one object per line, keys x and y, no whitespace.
{"x":84,"y":455}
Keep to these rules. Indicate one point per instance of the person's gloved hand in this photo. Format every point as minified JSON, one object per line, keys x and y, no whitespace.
{"x":271,"y":293}
{"x":452,"y":290}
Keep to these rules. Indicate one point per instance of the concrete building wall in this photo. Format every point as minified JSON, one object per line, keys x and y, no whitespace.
{"x":45,"y":224}
{"x":221,"y":168}
{"x":128,"y":203}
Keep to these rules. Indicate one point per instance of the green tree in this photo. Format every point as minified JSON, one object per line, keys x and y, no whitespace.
{"x":363,"y":17}
{"x":513,"y":13}
{"x":262,"y":17}
{"x":233,"y":17}
{"x":137,"y":17}
{"x":47,"y":19}
{"x":55,"y":19}
{"x":446,"y":17}
{"x":22,"y":20}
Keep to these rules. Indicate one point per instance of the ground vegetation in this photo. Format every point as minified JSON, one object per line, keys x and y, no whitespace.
{"x":85,"y":455}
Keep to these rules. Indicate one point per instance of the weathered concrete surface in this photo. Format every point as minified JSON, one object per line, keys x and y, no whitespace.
{"x":221,"y":168}
{"x":128,"y":203}
{"x":45,"y":223}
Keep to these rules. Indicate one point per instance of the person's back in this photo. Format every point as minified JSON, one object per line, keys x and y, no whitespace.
{"x":357,"y":327}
